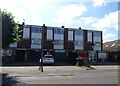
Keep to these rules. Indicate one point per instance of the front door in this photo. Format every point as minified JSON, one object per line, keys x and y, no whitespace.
{"x":20,"y":55}
{"x":92,"y":56}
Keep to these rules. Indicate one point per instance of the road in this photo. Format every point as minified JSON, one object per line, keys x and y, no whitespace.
{"x":62,"y":75}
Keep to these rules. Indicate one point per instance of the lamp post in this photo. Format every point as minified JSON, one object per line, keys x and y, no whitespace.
{"x":42,"y":42}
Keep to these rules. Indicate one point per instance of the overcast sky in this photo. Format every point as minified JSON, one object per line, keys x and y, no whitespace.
{"x":88,"y":14}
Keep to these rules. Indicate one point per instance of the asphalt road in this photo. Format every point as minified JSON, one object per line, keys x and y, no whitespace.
{"x":60,"y":75}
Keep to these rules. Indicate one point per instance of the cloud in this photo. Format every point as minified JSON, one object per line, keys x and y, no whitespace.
{"x":109,"y":21}
{"x":11,"y":6}
{"x":99,"y":3}
{"x":106,"y":24}
{"x":107,"y":37}
{"x":88,"y":20}
{"x":67,"y":13}
{"x":31,"y":11}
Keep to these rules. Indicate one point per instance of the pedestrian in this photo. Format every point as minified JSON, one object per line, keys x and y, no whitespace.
{"x":41,"y":64}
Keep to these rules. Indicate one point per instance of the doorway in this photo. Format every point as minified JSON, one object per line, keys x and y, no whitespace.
{"x":20,"y":55}
{"x":92,"y":56}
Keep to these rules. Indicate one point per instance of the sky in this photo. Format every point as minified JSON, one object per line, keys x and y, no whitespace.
{"x":99,"y":15}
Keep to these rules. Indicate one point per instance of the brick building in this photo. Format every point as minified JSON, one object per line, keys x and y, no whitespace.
{"x":112,"y":48}
{"x":40,"y":40}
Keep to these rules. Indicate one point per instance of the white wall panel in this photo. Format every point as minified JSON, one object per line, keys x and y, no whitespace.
{"x":36,"y":46}
{"x":26,"y":33}
{"x":58,"y":36}
{"x":70,"y":35}
{"x":37,"y":35}
{"x":49,"y":34}
{"x":78,"y":38}
{"x":58,"y":46}
{"x":102,"y":55}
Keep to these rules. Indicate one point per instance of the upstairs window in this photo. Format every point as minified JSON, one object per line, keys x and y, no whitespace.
{"x":97,"y":43}
{"x":70,"y":35}
{"x":89,"y":36}
{"x":36,"y":41}
{"x":36,"y":29}
{"x":58,"y":42}
{"x":78,"y":32}
{"x":79,"y":43}
{"x":49,"y":34}
{"x":58,"y":31}
{"x":26,"y":32}
{"x":97,"y":34}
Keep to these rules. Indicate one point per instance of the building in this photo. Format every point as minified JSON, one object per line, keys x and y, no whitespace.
{"x":112,"y":48}
{"x":37,"y":41}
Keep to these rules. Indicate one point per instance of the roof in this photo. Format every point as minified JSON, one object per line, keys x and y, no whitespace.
{"x":62,"y":28}
{"x":112,"y":45}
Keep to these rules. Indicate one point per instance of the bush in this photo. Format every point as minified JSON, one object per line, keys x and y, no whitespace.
{"x":71,"y":58}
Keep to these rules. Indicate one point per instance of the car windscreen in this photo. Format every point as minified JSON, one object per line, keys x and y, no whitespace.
{"x":48,"y":57}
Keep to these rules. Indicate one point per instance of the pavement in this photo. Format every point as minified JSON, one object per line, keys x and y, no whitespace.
{"x":60,"y":74}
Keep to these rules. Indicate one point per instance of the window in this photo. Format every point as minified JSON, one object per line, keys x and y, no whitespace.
{"x":58,"y":31}
{"x":89,"y":36}
{"x":58,"y":42}
{"x":49,"y":33}
{"x":70,"y":35}
{"x":80,"y":43}
{"x":26,"y":32}
{"x":36,"y":41}
{"x":97,"y":34}
{"x":78,"y":32}
{"x":97,"y":43}
{"x":107,"y":45}
{"x":113,"y":45}
{"x":37,"y":29}
{"x":49,"y":28}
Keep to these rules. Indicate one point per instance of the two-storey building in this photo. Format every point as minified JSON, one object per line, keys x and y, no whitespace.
{"x":37,"y":41}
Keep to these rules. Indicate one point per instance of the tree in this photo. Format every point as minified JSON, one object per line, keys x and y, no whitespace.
{"x":9,"y":29}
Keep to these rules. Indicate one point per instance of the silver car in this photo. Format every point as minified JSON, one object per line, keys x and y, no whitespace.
{"x":47,"y":59}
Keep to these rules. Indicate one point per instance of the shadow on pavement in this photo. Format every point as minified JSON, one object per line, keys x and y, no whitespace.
{"x":8,"y":80}
{"x":19,"y":64}
{"x":103,"y":63}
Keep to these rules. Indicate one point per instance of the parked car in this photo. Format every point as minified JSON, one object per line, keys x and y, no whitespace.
{"x":47,"y":59}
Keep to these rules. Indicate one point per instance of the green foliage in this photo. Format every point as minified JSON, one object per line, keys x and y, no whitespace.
{"x":72,"y":55}
{"x":10,"y":29}
{"x":81,"y":62}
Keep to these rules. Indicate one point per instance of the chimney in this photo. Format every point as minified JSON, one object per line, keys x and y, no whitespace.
{"x":79,"y":27}
{"x":44,"y":25}
{"x":63,"y":27}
